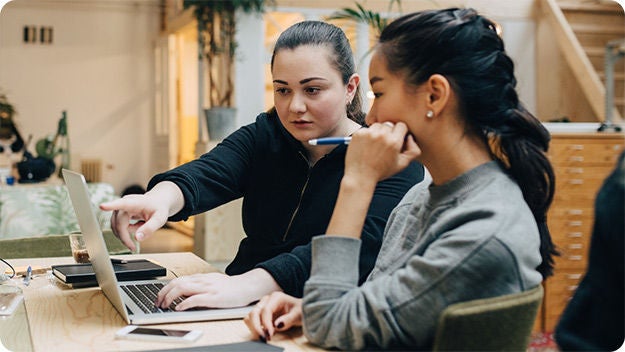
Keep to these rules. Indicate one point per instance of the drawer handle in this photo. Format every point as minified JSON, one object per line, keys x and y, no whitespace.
{"x":576,"y":181}
{"x":575,"y":257}
{"x":577,"y":147}
{"x":576,"y":158}
{"x":575,"y":212}
{"x":575,"y":246}
{"x":574,"y":276}
{"x":575,"y":170}
{"x":574,"y":234}
{"x":575,"y":223}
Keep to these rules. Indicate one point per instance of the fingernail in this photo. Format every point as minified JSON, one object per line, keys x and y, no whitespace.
{"x":280,"y":325}
{"x":139,"y":236}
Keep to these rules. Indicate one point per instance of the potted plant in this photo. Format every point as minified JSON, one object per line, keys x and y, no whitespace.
{"x":6,"y":117}
{"x":8,"y":128}
{"x":360,"y":14}
{"x":217,"y":47}
{"x":373,"y":19}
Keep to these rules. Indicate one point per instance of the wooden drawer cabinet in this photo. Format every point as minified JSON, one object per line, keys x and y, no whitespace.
{"x":561,"y":287}
{"x":581,"y":163}
{"x":570,"y":150}
{"x":570,"y":229}
{"x":575,"y":187}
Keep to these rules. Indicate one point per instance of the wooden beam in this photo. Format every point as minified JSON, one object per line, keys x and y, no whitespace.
{"x":549,"y":105}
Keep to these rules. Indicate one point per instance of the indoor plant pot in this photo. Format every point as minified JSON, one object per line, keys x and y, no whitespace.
{"x":217,"y":47}
{"x":220,"y":121}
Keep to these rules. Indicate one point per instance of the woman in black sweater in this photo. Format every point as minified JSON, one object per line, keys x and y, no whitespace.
{"x":288,"y":186}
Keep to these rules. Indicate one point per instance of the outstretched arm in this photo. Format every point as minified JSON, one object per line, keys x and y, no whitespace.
{"x":143,"y":214}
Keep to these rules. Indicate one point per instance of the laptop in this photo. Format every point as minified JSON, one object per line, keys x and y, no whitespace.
{"x":128,"y":296}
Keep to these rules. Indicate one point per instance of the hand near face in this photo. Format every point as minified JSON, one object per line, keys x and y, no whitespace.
{"x":380,"y":151}
{"x":274,"y":313}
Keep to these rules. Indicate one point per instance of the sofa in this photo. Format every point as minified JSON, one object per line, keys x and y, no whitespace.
{"x":36,"y":218}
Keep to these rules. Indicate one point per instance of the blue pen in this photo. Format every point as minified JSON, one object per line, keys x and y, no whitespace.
{"x":330,"y":140}
{"x":29,"y":273}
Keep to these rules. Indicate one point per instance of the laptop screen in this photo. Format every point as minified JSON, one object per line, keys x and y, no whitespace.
{"x":90,"y":228}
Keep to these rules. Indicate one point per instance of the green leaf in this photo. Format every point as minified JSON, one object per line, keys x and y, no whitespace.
{"x":360,"y":14}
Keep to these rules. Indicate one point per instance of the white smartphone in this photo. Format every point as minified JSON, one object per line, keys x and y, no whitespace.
{"x":154,"y":334}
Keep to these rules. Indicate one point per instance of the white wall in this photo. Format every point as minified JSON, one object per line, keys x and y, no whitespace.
{"x":520,"y":43}
{"x":519,"y":34}
{"x":99,"y":68}
{"x":249,"y":68}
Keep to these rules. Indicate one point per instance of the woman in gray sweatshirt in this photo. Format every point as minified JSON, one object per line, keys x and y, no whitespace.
{"x":445,"y":96}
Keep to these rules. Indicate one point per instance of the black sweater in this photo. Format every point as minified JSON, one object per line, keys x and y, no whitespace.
{"x":285,"y":202}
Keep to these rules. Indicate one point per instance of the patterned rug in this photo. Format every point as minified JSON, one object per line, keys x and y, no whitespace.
{"x":542,"y":342}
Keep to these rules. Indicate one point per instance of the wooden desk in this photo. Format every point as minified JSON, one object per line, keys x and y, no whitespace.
{"x":56,"y":318}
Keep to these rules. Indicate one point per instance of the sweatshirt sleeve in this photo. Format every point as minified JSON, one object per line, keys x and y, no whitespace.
{"x":216,"y":177}
{"x":401,"y":307}
{"x":291,"y":270}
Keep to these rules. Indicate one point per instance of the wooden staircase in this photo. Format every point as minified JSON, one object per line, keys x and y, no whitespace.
{"x":581,"y":29}
{"x":595,"y":23}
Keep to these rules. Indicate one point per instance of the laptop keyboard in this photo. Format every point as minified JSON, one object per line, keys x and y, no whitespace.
{"x":144,"y":295}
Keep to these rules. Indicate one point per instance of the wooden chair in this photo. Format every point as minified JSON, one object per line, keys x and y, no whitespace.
{"x":501,"y":323}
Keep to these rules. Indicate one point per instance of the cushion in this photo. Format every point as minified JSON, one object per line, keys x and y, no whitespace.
{"x":38,"y":210}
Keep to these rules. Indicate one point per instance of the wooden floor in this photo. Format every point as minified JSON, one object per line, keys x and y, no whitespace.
{"x":167,"y":240}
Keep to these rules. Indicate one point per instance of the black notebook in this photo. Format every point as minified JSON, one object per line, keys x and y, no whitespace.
{"x":82,"y":275}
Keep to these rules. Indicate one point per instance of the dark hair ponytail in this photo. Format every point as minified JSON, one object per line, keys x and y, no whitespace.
{"x":466,"y":48}
{"x":523,"y":142}
{"x":325,"y":34}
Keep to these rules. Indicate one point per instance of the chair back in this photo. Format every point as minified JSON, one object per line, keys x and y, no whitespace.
{"x":501,"y":323}
{"x":52,"y":246}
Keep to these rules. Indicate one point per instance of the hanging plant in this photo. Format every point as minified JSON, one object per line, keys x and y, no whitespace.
{"x":217,"y":42}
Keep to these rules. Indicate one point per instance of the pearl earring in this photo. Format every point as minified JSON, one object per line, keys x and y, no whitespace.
{"x":429,"y":114}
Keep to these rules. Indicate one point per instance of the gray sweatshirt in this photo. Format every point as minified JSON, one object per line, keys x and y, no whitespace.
{"x":473,"y":237}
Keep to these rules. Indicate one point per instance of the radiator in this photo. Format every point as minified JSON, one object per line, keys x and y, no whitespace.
{"x":92,"y":169}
